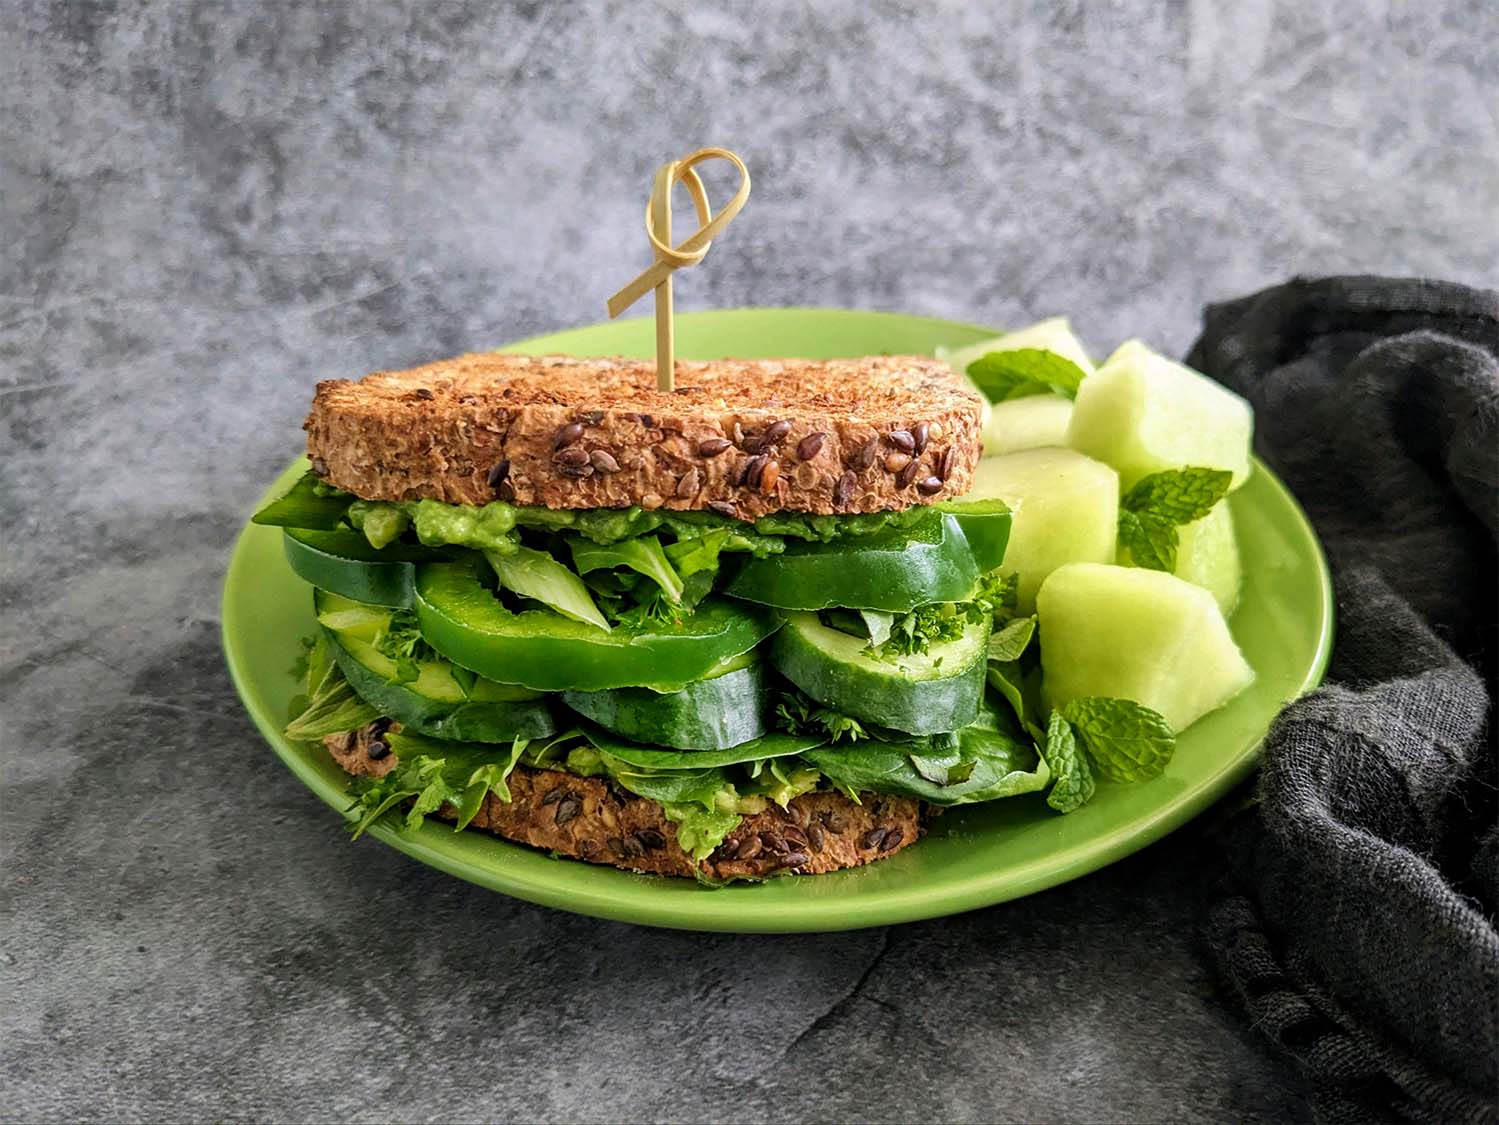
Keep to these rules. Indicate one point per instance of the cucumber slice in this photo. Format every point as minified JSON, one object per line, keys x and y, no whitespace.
{"x":343,"y":562}
{"x":438,"y":703}
{"x":1143,"y":413}
{"x":1066,"y":509}
{"x":1125,"y":633}
{"x":938,"y":690}
{"x":930,"y":561}
{"x":712,"y":714}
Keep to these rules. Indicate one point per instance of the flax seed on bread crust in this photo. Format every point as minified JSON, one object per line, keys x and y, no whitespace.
{"x":740,"y":437}
{"x":587,"y":818}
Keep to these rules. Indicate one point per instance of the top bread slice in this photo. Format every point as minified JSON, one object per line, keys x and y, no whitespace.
{"x":743,"y":438}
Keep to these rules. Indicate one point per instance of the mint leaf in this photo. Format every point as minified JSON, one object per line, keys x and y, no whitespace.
{"x":1074,"y":780}
{"x":1127,"y":741}
{"x":1151,"y":540}
{"x":1021,"y":372}
{"x":1180,"y":495}
{"x":1010,"y":642}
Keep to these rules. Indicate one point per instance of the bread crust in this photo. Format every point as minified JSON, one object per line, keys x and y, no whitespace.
{"x":590,"y":819}
{"x":741,"y":437}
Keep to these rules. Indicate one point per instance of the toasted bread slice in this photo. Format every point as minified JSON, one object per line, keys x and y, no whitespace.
{"x":587,"y":818}
{"x":739,"y":437}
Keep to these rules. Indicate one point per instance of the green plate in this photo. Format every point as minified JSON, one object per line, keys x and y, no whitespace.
{"x":974,"y":856}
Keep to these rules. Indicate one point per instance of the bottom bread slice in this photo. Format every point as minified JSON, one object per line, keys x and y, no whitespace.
{"x":589,"y":818}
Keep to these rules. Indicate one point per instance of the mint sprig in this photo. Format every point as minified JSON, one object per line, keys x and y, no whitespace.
{"x":1074,"y":780}
{"x":1126,"y":740}
{"x":1021,"y":372}
{"x":1151,"y":511}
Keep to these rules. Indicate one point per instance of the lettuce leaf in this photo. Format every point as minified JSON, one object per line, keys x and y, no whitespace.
{"x":330,"y":706}
{"x":432,"y":773}
{"x":643,"y":555}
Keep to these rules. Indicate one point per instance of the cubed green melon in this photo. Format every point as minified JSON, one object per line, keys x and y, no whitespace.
{"x":1207,"y":555}
{"x":1066,"y":509}
{"x":1126,"y":633}
{"x":1143,"y":413}
{"x":1052,"y":335}
{"x":1033,"y":422}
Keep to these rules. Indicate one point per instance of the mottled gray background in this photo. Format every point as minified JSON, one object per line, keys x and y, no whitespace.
{"x":205,"y":207}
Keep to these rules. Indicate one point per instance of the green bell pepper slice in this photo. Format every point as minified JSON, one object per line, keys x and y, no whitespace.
{"x":461,"y":617}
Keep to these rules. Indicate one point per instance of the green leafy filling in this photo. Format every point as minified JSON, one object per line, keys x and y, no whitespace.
{"x":984,"y":761}
{"x":402,"y":642}
{"x":1120,"y":739}
{"x":329,"y":704}
{"x":798,"y":713}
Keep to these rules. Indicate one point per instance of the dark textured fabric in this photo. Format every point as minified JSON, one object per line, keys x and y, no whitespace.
{"x":1359,"y":931}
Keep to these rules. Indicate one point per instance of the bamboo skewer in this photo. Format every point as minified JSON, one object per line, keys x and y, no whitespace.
{"x":689,"y":252}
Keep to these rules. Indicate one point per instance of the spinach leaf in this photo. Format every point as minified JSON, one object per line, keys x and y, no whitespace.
{"x":658,"y":758}
{"x":990,"y":760}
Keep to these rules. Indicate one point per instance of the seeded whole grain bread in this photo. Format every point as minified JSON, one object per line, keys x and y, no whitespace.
{"x":742,"y":438}
{"x":587,"y":818}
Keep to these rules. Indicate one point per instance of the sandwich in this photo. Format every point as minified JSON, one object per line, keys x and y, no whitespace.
{"x":731,"y":631}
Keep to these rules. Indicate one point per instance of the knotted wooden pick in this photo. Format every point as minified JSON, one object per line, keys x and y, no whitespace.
{"x":689,"y":252}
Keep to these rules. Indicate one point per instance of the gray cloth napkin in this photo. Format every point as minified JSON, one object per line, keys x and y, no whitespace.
{"x":1359,"y":928}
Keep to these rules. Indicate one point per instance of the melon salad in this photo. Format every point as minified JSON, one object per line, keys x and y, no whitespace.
{"x":1122,"y":556}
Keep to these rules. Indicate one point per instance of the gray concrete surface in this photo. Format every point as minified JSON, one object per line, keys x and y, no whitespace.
{"x":205,"y":207}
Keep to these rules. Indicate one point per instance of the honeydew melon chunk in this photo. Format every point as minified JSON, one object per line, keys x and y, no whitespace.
{"x":1033,"y":422}
{"x":1127,"y":633}
{"x":1053,"y":335}
{"x":1064,"y":508}
{"x":1144,"y":413}
{"x":1207,"y":555}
